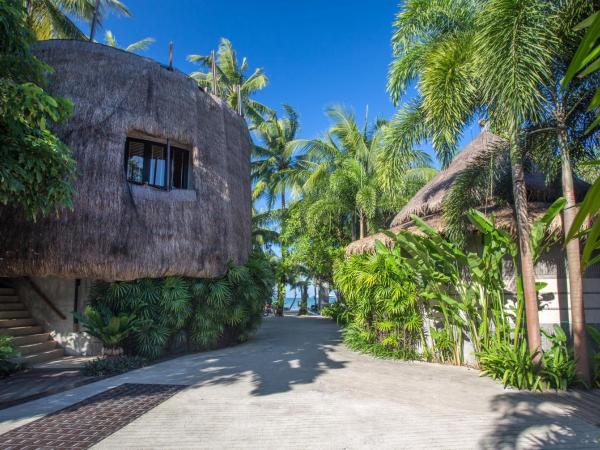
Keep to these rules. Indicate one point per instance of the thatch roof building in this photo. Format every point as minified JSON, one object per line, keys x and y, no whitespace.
{"x":428,"y":201}
{"x":163,"y":184}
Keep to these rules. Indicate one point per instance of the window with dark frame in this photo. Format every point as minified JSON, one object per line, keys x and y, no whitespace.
{"x":146,"y":163}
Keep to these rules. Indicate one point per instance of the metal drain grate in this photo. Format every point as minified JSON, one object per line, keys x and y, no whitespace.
{"x":86,"y":423}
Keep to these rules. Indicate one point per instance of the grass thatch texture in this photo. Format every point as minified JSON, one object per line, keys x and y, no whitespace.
{"x":117,"y":231}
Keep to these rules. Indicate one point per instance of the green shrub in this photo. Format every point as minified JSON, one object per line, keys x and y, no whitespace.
{"x":177,"y":314}
{"x":362,"y":341}
{"x":515,"y":366}
{"x":229,"y":310}
{"x":111,"y":329}
{"x":112,"y":366}
{"x":558,"y":361}
{"x":595,"y":335}
{"x":381,"y":309}
{"x":512,"y":366}
{"x":339,"y":312}
{"x":7,"y":352}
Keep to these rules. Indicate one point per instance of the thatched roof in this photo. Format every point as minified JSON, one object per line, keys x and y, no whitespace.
{"x":427,"y":202}
{"x":117,"y":230}
{"x":504,"y":218}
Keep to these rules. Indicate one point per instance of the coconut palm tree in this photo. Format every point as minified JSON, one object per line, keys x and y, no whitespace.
{"x":273,"y":173}
{"x":526,"y":43}
{"x":52,"y":19}
{"x":139,"y":46}
{"x":230,"y":74}
{"x":349,"y":173}
{"x":488,"y":58}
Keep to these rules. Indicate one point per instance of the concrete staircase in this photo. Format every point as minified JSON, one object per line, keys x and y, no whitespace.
{"x":30,"y":340}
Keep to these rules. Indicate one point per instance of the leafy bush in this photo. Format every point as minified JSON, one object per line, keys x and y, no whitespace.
{"x":359,"y":340}
{"x":36,"y":168}
{"x":229,"y":310}
{"x":381,"y":310}
{"x":177,"y":314}
{"x":558,"y":361}
{"x":513,"y":366}
{"x":111,"y":329}
{"x":595,"y":335}
{"x":7,"y":352}
{"x":337,"y":311}
{"x":112,"y":366}
{"x":425,"y":277}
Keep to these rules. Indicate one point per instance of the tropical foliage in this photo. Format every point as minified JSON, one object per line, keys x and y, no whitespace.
{"x":231,"y":76}
{"x":53,"y":19}
{"x":425,"y":296}
{"x":36,"y":168}
{"x":152,"y":317}
{"x":110,"y":329}
{"x":502,"y":62}
{"x":7,"y":354}
{"x":139,"y":46}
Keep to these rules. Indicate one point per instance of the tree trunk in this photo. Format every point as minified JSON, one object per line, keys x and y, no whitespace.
{"x":534,"y":338}
{"x":303,"y":299}
{"x":323,"y":294}
{"x":282,"y":276}
{"x":573,"y":259}
{"x":94,"y":21}
{"x":362,"y":225}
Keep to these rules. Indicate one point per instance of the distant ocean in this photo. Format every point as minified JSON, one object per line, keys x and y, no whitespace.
{"x":294,"y":304}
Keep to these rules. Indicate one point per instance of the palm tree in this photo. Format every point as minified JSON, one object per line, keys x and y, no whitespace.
{"x":526,"y":43}
{"x":141,"y":45}
{"x":273,"y":170}
{"x":350,"y":173}
{"x":489,"y":58}
{"x":52,"y":19}
{"x":230,"y":74}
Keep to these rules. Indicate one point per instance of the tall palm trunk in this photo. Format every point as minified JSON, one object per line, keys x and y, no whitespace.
{"x":303,"y":299}
{"x":573,"y":256}
{"x":281,"y":282}
{"x":362,"y":221}
{"x":534,"y":337}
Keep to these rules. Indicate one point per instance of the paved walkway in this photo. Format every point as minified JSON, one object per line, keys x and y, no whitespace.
{"x":296,"y":386}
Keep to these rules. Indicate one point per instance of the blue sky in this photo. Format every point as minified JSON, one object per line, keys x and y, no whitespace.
{"x":315,"y":52}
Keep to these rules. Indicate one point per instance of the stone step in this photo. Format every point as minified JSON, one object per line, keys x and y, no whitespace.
{"x":11,"y":323}
{"x":12,"y":306}
{"x":30,"y":338}
{"x":21,"y":330}
{"x":36,"y":358}
{"x":9,"y":298}
{"x":7,"y":291}
{"x":14,"y":314}
{"x":38,"y":347}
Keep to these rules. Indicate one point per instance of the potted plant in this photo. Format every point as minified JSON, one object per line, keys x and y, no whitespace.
{"x":110,"y":329}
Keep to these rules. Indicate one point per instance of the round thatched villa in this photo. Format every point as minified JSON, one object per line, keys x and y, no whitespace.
{"x":550,"y":269}
{"x":163,"y":188}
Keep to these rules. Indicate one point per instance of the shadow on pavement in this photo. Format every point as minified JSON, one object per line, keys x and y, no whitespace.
{"x":277,"y":358}
{"x":544,"y":420}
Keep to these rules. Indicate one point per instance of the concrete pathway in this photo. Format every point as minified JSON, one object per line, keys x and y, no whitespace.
{"x":295,"y":386}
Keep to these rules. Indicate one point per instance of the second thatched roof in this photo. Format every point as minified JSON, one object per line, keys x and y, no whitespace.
{"x":428,"y":201}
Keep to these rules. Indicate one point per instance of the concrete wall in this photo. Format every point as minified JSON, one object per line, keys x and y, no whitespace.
{"x":555,"y":302}
{"x":61,"y":292}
